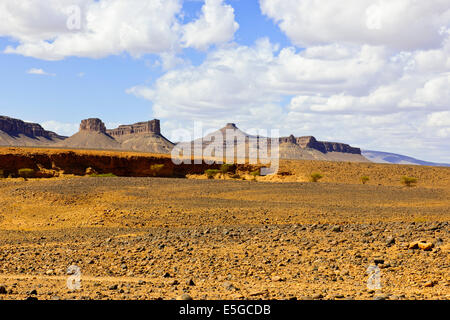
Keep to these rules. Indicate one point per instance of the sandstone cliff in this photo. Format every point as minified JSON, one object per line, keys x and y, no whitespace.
{"x":142,"y":136}
{"x":92,"y":135}
{"x":152,"y":126}
{"x":15,"y":132}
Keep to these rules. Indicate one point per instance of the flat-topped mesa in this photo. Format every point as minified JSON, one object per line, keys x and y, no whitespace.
{"x":152,"y":126}
{"x":93,"y":125}
{"x":230,"y":126}
{"x":322,"y":146}
{"x":15,"y":127}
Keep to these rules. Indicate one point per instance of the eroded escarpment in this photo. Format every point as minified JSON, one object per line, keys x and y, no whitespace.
{"x":50,"y":163}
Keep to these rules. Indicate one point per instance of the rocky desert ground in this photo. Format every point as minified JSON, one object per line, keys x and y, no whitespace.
{"x":278,"y":237}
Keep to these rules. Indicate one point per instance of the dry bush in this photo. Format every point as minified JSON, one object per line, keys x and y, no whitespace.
{"x":314,"y":177}
{"x":408,"y":181}
{"x":364,"y":179}
{"x":211,"y":173}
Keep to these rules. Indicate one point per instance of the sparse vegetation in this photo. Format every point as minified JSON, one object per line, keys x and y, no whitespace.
{"x":364,"y":179}
{"x":255,"y":174}
{"x":155,"y":169}
{"x":314,"y":177}
{"x":26,"y":173}
{"x":225,"y":168}
{"x":103,"y":175}
{"x":211,"y":173}
{"x":408,"y":181}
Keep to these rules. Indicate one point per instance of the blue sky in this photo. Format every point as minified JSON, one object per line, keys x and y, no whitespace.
{"x":346,"y":71}
{"x":83,"y":87}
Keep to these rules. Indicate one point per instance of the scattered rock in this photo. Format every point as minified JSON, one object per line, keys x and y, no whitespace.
{"x":426,"y":246}
{"x":381,"y":297}
{"x":430,"y":284}
{"x":390,"y":241}
{"x":336,"y":229}
{"x":50,"y":272}
{"x":190,"y":282}
{"x":184,"y":296}
{"x":228,"y":285}
{"x":3,"y":290}
{"x":378,"y":260}
{"x":277,"y":278}
{"x":255,"y":293}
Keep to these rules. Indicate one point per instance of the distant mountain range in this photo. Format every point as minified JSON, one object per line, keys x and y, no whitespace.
{"x":146,"y":137}
{"x":386,"y":157}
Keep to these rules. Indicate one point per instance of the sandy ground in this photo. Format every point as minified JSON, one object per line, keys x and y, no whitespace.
{"x":158,"y":238}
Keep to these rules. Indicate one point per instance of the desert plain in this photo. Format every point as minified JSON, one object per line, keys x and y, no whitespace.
{"x":275,"y":237}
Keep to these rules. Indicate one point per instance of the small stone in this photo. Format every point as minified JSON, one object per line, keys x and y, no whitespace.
{"x":256,"y":293}
{"x":336,"y":229}
{"x":378,"y":260}
{"x":113,"y":287}
{"x":166,"y":275}
{"x":277,"y":278}
{"x":190,"y":282}
{"x":390,"y":241}
{"x":174,"y":283}
{"x":430,"y":284}
{"x":3,"y":290}
{"x":33,"y":292}
{"x":317,"y":296}
{"x":414,"y":245}
{"x":184,"y":296}
{"x":426,"y":246}
{"x":228,"y":285}
{"x":49,"y":272}
{"x":381,"y":297}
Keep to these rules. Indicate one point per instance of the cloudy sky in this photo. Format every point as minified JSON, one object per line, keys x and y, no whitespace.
{"x":372,"y":73}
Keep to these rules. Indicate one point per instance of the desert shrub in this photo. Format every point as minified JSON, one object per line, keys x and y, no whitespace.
{"x":225,"y":168}
{"x":408,"y":181}
{"x":103,"y":175}
{"x":155,"y":169}
{"x":26,"y":173}
{"x":364,"y":179}
{"x":211,"y":173}
{"x":255,"y":174}
{"x":314,"y":177}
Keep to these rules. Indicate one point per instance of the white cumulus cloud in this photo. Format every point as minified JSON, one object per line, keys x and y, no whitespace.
{"x":216,"y":25}
{"x":40,"y":72}
{"x":399,"y":24}
{"x":56,"y":29}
